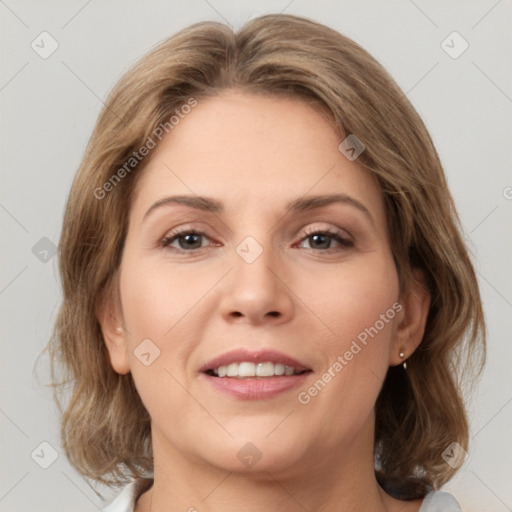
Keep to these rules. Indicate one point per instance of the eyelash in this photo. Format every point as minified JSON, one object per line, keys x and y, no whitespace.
{"x":344,"y":242}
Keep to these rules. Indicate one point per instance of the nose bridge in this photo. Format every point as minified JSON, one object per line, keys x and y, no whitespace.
{"x":255,"y":289}
{"x":254,"y":264}
{"x":255,"y":250}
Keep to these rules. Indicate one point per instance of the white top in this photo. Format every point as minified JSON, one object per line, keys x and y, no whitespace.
{"x":435,"y":501}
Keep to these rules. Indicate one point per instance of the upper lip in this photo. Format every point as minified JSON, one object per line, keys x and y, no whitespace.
{"x":253,"y":356}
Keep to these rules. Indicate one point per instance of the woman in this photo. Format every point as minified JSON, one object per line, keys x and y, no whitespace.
{"x":267,"y":303}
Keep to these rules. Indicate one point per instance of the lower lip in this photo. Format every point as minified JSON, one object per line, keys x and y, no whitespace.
{"x":256,"y":388}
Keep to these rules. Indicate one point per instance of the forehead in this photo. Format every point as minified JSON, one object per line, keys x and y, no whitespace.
{"x":254,"y":151}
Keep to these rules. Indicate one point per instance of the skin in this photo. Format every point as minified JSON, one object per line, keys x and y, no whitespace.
{"x":255,"y":154}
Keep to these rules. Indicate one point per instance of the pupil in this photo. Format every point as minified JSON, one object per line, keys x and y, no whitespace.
{"x":315,"y":238}
{"x":190,"y":238}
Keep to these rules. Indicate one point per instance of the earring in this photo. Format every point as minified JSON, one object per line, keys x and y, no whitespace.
{"x":404,"y":364}
{"x":119,"y":330}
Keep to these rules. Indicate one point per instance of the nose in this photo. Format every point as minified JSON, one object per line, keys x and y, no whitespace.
{"x":255,"y":291}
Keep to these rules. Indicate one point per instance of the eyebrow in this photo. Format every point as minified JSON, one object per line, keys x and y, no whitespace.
{"x":301,"y":204}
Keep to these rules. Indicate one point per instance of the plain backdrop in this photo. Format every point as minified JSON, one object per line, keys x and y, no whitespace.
{"x":49,"y":106}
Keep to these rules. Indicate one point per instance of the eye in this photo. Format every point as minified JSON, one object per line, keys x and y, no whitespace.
{"x":188,"y":240}
{"x":321,"y":239}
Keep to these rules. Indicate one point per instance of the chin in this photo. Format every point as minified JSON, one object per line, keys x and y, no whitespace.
{"x":254,"y":453}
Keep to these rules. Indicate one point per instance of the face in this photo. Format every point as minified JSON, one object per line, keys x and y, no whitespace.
{"x":263,"y":276}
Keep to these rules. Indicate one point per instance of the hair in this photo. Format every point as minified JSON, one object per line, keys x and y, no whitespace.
{"x":105,"y":428}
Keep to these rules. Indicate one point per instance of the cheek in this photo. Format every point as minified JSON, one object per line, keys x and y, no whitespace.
{"x":353,"y":298}
{"x":157,"y":301}
{"x":162,"y":302}
{"x":156,"y":296}
{"x":359,"y":304}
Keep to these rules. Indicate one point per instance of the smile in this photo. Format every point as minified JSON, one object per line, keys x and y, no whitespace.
{"x":248,"y":369}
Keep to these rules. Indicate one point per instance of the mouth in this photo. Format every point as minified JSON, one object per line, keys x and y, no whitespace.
{"x":246,"y":369}
{"x":247,"y":375}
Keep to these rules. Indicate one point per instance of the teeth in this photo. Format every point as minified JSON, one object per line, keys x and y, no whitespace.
{"x":288,"y":370}
{"x":279,"y":369}
{"x":265,"y":370}
{"x":246,"y":369}
{"x":232,"y":370}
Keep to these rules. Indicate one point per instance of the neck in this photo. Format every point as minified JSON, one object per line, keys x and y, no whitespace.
{"x":343,"y":479}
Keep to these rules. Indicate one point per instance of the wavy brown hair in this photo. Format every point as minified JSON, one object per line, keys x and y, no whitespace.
{"x":105,"y":429}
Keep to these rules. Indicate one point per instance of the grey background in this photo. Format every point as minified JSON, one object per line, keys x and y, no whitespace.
{"x":49,"y":107}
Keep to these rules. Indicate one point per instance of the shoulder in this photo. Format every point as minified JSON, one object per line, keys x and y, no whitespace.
{"x":439,"y":501}
{"x":126,"y":499}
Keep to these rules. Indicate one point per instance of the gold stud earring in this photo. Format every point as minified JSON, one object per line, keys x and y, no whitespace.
{"x":404,"y":364}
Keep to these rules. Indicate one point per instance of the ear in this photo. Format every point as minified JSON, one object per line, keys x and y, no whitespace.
{"x":110,"y":318}
{"x":411,"y":321}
